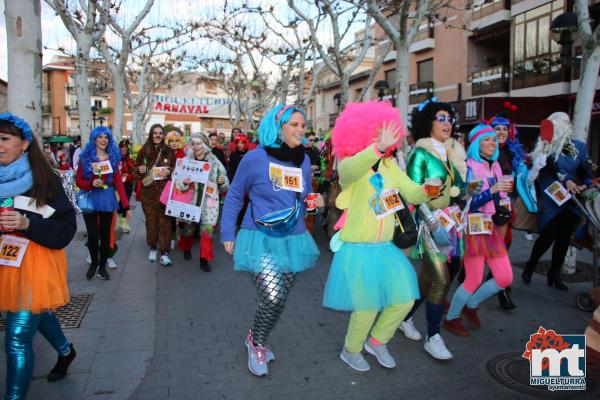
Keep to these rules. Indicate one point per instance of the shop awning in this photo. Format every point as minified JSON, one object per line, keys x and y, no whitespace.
{"x":60,"y":139}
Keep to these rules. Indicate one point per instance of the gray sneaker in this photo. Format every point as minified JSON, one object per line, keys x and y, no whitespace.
{"x":355,"y":360}
{"x":257,"y":358}
{"x":381,"y":353}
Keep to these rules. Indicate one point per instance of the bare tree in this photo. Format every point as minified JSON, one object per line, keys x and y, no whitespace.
{"x":590,"y":65}
{"x":86,"y":26}
{"x":336,"y":57}
{"x":24,"y":34}
{"x":149,"y":70}
{"x":117,"y":59}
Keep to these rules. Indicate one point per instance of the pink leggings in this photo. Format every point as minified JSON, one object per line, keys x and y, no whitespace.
{"x":500,"y":267}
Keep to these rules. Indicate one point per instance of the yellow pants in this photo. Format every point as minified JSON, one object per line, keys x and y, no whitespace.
{"x":361,"y":323}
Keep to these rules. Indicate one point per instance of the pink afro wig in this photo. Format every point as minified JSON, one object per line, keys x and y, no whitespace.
{"x":357,"y":126}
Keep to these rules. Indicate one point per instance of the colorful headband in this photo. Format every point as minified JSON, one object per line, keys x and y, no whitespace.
{"x":481,"y":132}
{"x":495,"y":121}
{"x":283,"y":110}
{"x":19,"y":123}
{"x":421,"y":106}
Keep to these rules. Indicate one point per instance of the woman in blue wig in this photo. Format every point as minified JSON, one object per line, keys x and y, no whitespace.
{"x":272,"y":244}
{"x":37,"y":221}
{"x":511,"y":158}
{"x":98,"y":174}
{"x":484,"y":240}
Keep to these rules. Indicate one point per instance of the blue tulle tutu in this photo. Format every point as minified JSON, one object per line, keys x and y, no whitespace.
{"x":368,"y":277}
{"x":254,"y":251}
{"x":104,"y":199}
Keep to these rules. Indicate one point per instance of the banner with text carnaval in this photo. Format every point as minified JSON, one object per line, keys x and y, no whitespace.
{"x":191,"y":105}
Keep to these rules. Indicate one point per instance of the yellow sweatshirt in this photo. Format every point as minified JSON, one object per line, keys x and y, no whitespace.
{"x":361,"y":225}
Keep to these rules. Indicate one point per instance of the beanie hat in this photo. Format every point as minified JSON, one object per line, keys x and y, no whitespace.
{"x":475,"y":135}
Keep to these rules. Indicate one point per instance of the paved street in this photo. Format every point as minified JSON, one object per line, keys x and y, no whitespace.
{"x":177,"y":333}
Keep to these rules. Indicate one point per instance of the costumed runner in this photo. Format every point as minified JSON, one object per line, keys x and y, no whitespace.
{"x":369,"y":274}
{"x":484,"y":240}
{"x":272,"y":244}
{"x":438,"y":159}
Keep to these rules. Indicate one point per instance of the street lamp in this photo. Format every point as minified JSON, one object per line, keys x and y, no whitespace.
{"x":563,"y":30}
{"x":101,"y":119}
{"x":381,"y":87}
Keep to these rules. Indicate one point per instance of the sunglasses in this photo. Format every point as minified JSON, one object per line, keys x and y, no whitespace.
{"x":444,"y":118}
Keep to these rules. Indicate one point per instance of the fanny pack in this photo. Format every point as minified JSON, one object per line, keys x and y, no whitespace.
{"x":278,"y":223}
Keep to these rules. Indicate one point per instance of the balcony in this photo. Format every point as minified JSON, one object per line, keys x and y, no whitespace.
{"x":46,"y":109}
{"x":537,"y":71}
{"x":489,"y":80}
{"x":425,"y":39}
{"x":419,"y":92}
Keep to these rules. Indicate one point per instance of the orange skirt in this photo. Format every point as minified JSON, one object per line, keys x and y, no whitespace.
{"x":40,"y":284}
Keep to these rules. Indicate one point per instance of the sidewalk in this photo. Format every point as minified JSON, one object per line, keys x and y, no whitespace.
{"x":177,"y":333}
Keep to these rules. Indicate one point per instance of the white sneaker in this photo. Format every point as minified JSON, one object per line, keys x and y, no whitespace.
{"x":173,"y":244}
{"x":355,"y":360}
{"x":152,"y":256}
{"x":111,"y":264}
{"x":436,"y":347}
{"x":165,"y":260}
{"x":381,"y":353}
{"x":88,"y":259}
{"x":410,"y":331}
{"x":528,"y":236}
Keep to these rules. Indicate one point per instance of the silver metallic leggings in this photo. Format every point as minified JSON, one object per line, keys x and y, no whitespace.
{"x":272,"y":288}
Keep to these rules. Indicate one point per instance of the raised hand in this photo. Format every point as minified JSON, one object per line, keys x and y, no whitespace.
{"x":388,"y":136}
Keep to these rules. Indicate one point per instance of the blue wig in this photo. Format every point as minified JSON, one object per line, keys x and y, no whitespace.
{"x":512,"y":144}
{"x":479,"y":132}
{"x":89,"y":156}
{"x":269,"y":130}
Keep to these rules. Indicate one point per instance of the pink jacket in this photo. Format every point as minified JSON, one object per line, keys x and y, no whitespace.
{"x":483,"y":171}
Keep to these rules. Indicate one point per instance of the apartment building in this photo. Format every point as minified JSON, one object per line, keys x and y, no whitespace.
{"x":499,"y":51}
{"x":60,"y":115}
{"x":192,"y":102}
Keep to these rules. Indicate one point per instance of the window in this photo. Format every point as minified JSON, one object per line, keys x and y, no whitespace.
{"x":536,"y":55}
{"x":220,"y":125}
{"x":98,"y":104}
{"x":425,"y":71}
{"x":390,"y":77}
{"x":187,"y":128}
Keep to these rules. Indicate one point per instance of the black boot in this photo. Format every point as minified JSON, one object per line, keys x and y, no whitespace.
{"x":62,"y":365}
{"x":506,"y":302}
{"x":204,"y":265}
{"x":555,"y":280}
{"x":103,"y":273}
{"x":91,"y":271}
{"x":527,"y":273}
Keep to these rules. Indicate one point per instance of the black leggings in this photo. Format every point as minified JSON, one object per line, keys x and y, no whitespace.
{"x":98,"y":230}
{"x":557,"y":231}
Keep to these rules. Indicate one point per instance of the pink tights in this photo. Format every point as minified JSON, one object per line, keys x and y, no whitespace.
{"x":500,"y":267}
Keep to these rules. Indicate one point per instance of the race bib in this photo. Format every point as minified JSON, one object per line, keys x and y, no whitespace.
{"x":12,"y":250}
{"x":480,"y":224}
{"x":388,"y":203}
{"x":457,"y":216}
{"x":102,"y":168}
{"x":444,"y":219}
{"x":156,"y":173}
{"x":286,"y":178}
{"x":212,"y":190}
{"x":557,"y":192}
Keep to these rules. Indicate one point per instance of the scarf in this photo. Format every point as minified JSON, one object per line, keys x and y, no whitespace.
{"x":286,"y":153}
{"x":16,"y":177}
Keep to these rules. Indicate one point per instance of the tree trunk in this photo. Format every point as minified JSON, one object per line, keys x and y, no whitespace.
{"x":82,"y":88}
{"x":585,"y":93}
{"x":402,"y":92}
{"x":24,"y":36}
{"x":119,"y":91}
